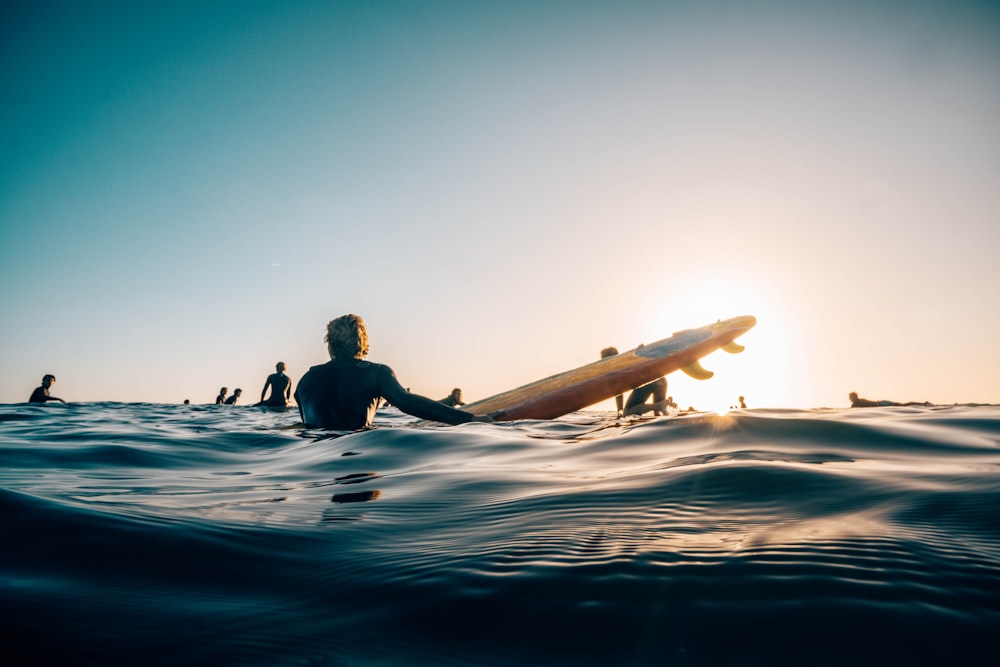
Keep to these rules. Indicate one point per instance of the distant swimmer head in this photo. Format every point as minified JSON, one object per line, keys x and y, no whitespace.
{"x":609,"y":352}
{"x":280,"y":366}
{"x":347,"y":337}
{"x":853,"y":396}
{"x":48,"y":379}
{"x":237,"y":392}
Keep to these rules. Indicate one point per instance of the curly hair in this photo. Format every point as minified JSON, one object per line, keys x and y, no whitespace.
{"x":347,"y":337}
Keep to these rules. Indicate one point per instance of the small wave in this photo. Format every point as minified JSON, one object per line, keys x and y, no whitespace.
{"x":758,"y":537}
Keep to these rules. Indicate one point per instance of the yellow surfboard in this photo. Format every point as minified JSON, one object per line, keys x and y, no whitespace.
{"x":573,"y":390}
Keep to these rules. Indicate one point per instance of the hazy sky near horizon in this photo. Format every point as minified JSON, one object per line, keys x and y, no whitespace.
{"x":190,"y":191}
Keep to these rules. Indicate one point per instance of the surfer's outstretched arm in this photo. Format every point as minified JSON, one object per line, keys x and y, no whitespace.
{"x":421,"y":406}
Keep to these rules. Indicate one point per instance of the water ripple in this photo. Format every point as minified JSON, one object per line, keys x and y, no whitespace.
{"x":170,"y":534}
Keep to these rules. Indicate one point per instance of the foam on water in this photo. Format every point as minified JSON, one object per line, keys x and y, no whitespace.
{"x":218,"y":535}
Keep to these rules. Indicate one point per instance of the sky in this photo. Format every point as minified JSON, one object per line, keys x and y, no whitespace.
{"x":189,"y":191}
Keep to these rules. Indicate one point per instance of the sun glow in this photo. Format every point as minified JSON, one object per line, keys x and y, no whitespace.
{"x":760,"y":373}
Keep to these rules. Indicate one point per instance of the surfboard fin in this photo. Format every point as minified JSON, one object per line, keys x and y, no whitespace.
{"x":696,"y":371}
{"x":733,"y":347}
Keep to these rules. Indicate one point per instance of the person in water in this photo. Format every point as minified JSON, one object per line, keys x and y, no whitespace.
{"x":221,"y":398}
{"x":281,"y":387}
{"x":41,"y":394}
{"x":235,"y":397}
{"x":865,"y":403}
{"x":453,"y":399}
{"x":345,"y":392}
{"x":636,"y":404}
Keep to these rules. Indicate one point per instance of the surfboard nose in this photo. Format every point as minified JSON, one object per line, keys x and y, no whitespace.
{"x":740,"y":322}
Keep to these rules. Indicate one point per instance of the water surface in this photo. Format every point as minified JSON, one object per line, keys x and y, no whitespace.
{"x":157,"y":534}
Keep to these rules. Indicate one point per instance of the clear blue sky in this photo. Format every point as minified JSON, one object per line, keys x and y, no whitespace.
{"x":189,"y":191}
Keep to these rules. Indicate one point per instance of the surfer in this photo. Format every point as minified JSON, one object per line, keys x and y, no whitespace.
{"x":221,"y":398}
{"x":281,"y":387}
{"x":235,"y":397}
{"x":41,"y":394}
{"x":345,"y":392}
{"x":454,"y":398}
{"x":865,"y":403}
{"x":636,"y":404}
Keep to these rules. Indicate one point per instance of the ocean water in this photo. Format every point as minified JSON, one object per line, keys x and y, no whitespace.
{"x":184,"y":535}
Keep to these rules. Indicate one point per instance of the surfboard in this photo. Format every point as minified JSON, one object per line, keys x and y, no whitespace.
{"x":576,"y":389}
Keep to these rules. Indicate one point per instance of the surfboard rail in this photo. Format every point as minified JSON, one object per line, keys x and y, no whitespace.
{"x":600,"y":380}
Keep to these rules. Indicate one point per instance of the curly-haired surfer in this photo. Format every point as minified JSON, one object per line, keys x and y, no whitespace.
{"x":345,"y":392}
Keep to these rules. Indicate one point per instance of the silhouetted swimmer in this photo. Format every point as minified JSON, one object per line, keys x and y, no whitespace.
{"x":636,"y":404}
{"x":281,"y":387}
{"x":743,"y":403}
{"x":454,"y":398}
{"x":344,"y":392}
{"x":235,"y":397}
{"x":865,"y":403}
{"x":41,"y":394}
{"x":187,"y":401}
{"x":221,"y":398}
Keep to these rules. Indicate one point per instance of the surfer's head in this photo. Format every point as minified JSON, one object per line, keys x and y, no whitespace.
{"x":48,"y":380}
{"x":609,"y":352}
{"x":280,"y":367}
{"x":347,"y":337}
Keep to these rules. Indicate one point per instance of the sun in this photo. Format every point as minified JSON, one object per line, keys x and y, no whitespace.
{"x":760,"y":373}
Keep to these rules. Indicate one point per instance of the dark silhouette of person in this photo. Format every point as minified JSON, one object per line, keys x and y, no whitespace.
{"x":187,"y":401}
{"x":636,"y":403}
{"x":453,"y":399}
{"x":743,"y":403}
{"x":235,"y":397}
{"x":41,"y":394}
{"x":221,"y":398}
{"x":857,"y":402}
{"x":281,"y":387}
{"x":345,"y":392}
